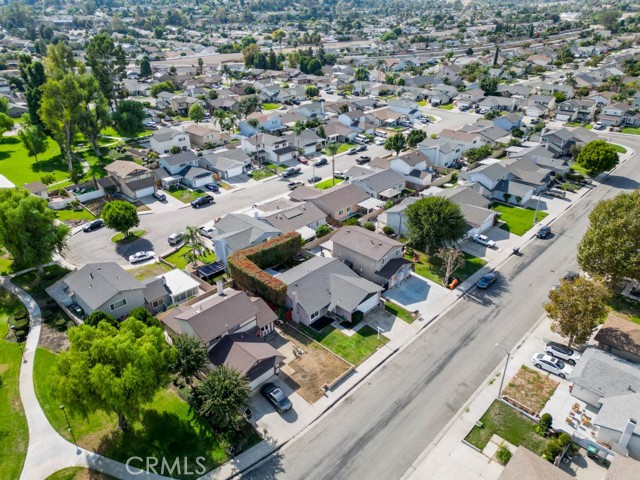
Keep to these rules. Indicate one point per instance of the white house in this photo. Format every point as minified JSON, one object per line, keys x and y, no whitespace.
{"x":266,"y":147}
{"x":164,"y":139}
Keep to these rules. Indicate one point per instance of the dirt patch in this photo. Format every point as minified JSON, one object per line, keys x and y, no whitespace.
{"x":53,"y":339}
{"x":141,"y":207}
{"x":530,"y":388}
{"x":314,"y":368}
{"x":3,"y":368}
{"x":96,"y":206}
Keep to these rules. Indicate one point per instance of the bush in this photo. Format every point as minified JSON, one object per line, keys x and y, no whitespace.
{"x":350,"y":221}
{"x":322,"y":230}
{"x":546,"y":420}
{"x":356,"y":317}
{"x":564,"y":439}
{"x":369,"y":226}
{"x":388,"y":230}
{"x":552,"y":450}
{"x":503,"y":455}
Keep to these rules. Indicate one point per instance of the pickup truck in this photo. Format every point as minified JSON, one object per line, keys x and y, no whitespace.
{"x":294,"y":185}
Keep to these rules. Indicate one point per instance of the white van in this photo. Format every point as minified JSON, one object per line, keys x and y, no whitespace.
{"x":361,"y":139}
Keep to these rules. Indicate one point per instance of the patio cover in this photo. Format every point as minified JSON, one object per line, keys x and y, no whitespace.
{"x":390,"y":193}
{"x":371,"y":204}
{"x":306,"y":233}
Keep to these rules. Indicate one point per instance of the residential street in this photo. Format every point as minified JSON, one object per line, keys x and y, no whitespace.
{"x":384,"y":425}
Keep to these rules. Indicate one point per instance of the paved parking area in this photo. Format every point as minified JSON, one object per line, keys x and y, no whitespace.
{"x":417,"y":293}
{"x":156,"y":205}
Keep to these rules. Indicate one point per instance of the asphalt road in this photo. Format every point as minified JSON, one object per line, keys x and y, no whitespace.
{"x":385,"y":424}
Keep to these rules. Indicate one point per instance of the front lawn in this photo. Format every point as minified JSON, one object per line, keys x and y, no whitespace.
{"x":631,"y":130}
{"x":20,"y":168}
{"x":150,"y":270}
{"x":510,"y":425}
{"x":178,"y":259}
{"x":422,"y":103}
{"x":448,"y":106}
{"x":36,"y":285}
{"x":14,"y":433}
{"x":270,"y":106}
{"x":626,"y":307}
{"x":267,"y":170}
{"x":617,"y":148}
{"x":166,"y":427}
{"x":69,"y":214}
{"x":120,"y":239}
{"x":354,"y":349}
{"x":328,"y":183}
{"x":185,"y":195}
{"x":399,"y":312}
{"x":343,"y":147}
{"x":579,"y":169}
{"x":531,"y":388}
{"x":517,"y":220}
{"x":430,"y":266}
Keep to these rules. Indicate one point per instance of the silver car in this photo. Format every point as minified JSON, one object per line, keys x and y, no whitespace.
{"x":562,"y":352}
{"x":550,"y":364}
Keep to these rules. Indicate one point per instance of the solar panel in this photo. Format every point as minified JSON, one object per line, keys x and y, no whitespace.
{"x":210,"y":270}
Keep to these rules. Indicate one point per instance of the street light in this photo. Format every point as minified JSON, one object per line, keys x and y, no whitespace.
{"x":69,"y":428}
{"x":13,"y":329}
{"x":504,"y":374}
{"x":535,"y":215}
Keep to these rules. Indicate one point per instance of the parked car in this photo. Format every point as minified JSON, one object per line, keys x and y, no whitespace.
{"x":160,"y":195}
{"x":303,"y":159}
{"x":291,"y":171}
{"x":352,"y":151}
{"x":77,"y":310}
{"x":363,"y":159}
{"x":463,"y":108}
{"x":175,"y":238}
{"x":486,"y":281}
{"x":294,"y":185}
{"x":93,"y":225}
{"x":484,"y":240}
{"x":276,"y":397}
{"x":550,"y":364}
{"x":340,"y":174}
{"x":314,"y":179}
{"x":598,"y":126}
{"x":361,"y":148}
{"x":202,"y":201}
{"x":141,"y":256}
{"x":321,"y":161}
{"x":562,"y":352}
{"x":557,"y":193}
{"x":544,"y":232}
{"x":535,"y":121}
{"x":212,"y":187}
{"x":379,"y":141}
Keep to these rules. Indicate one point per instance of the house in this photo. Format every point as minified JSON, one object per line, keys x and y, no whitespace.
{"x":509,"y":121}
{"x":164,"y":139}
{"x":475,"y":209}
{"x":529,"y":173}
{"x":231,"y":325}
{"x":559,"y":141}
{"x":495,"y":182}
{"x":395,"y":216}
{"x":440,"y":152}
{"x":312,"y":110}
{"x":202,"y":136}
{"x":38,"y":189}
{"x":237,"y":231}
{"x":226,"y":163}
{"x":181,"y":104}
{"x":340,"y":202}
{"x":269,"y":123}
{"x":615,"y":114}
{"x":538,"y":105}
{"x":133,"y":180}
{"x":173,"y":164}
{"x":288,"y":216}
{"x":576,"y":110}
{"x":602,"y":99}
{"x":336,"y":132}
{"x":307,"y":140}
{"x":326,"y":286}
{"x":620,"y":337}
{"x":104,"y":287}
{"x":498,"y":103}
{"x":265,"y":147}
{"x":195,"y":177}
{"x":371,"y":255}
{"x":528,"y":465}
{"x":384,"y":185}
{"x":465,"y":140}
{"x":405,"y":107}
{"x":541,"y":157}
{"x":171,"y":288}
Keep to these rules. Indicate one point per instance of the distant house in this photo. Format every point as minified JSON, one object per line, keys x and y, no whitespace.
{"x":498,"y":103}
{"x":620,"y":337}
{"x":268,"y":148}
{"x":341,"y":202}
{"x":576,"y":110}
{"x":509,"y":122}
{"x":164,"y":139}
{"x":466,"y":140}
{"x":496,"y":182}
{"x":308,"y":140}
{"x":133,"y":180}
{"x":171,"y":288}
{"x":201,"y":135}
{"x":225,"y":163}
{"x":288,"y":216}
{"x":384,"y":185}
{"x":265,"y":123}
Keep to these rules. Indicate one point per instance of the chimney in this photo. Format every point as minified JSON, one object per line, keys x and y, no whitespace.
{"x":220,"y":287}
{"x":621,"y":446}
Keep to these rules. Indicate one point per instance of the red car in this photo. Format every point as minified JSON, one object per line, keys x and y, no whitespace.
{"x":302,"y":159}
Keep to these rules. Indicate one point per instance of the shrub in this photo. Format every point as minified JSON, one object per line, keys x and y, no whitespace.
{"x":356,"y":317}
{"x":546,"y":420}
{"x":388,"y":230}
{"x":369,"y":226}
{"x":564,"y":439}
{"x":503,"y":455}
{"x":350,"y":221}
{"x":552,"y":450}
{"x":322,"y":230}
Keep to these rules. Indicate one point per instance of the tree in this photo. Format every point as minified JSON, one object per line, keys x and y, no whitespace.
{"x":415,"y":137}
{"x":59,"y":61}
{"x":278,"y":36}
{"x":469,"y":51}
{"x":6,"y":124}
{"x":108,"y":63}
{"x":577,"y":307}
{"x":611,"y":246}
{"x":113,"y":370}
{"x":28,"y":230}
{"x":34,"y":139}
{"x":332,"y":149}
{"x":610,"y":19}
{"x":196,"y":112}
{"x":197,"y":248}
{"x":120,"y":216}
{"x":143,"y":315}
{"x":94,"y":114}
{"x":452,"y":260}
{"x":128,"y":118}
{"x":33,"y":78}
{"x":489,"y":85}
{"x":395,"y":143}
{"x":435,"y":222}
{"x":161,"y":87}
{"x":597,"y":157}
{"x":312,"y":91}
{"x":98,"y":316}
{"x":145,"y":67}
{"x":322,"y":230}
{"x":361,"y":74}
{"x":48,"y":178}
{"x":191,"y":356}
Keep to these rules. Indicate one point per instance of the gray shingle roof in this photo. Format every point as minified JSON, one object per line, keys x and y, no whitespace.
{"x":606,"y":374}
{"x":616,"y":412}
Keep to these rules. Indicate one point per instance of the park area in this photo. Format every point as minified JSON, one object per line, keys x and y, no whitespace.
{"x":518,"y":220}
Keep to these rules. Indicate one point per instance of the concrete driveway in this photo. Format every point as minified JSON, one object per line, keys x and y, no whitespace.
{"x":156,"y":205}
{"x":417,"y":293}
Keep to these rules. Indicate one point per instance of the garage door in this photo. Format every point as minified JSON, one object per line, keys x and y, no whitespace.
{"x":144,"y":192}
{"x":261,"y":379}
{"x":368,"y":304}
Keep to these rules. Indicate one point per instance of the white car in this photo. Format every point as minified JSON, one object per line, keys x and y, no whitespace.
{"x":550,"y":364}
{"x":141,"y":257}
{"x":598,"y":126}
{"x":379,"y":141}
{"x":484,"y":240}
{"x":562,"y":352}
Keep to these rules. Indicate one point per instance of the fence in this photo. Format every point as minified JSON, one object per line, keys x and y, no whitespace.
{"x":59,"y":203}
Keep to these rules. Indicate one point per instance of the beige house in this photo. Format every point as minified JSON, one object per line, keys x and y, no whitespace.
{"x":201,"y":135}
{"x":133,"y":180}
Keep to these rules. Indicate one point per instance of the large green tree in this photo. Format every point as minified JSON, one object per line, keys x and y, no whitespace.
{"x":120,"y":216}
{"x":577,"y":307}
{"x":34,"y":139}
{"x":145,"y":67}
{"x":60,"y":61}
{"x":415,"y":137}
{"x":396,"y":143}
{"x":6,"y":124}
{"x":33,"y":78}
{"x":108,"y":63}
{"x":489,"y":85}
{"x":94,"y":112}
{"x":191,"y":356}
{"x":128,"y":118}
{"x":611,"y":246}
{"x":113,"y":370}
{"x":435,"y":222}
{"x":597,"y":157}
{"x":27,"y":228}
{"x":196,"y":112}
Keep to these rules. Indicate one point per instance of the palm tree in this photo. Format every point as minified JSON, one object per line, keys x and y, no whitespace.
{"x":332,"y":149}
{"x":218,"y":117}
{"x":191,"y":356}
{"x":193,"y":240}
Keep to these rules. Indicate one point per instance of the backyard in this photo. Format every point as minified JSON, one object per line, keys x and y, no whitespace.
{"x":270,"y":106}
{"x":179,"y":260}
{"x":508,"y":424}
{"x":625,"y":307}
{"x":14,"y":434}
{"x":517,"y":220}
{"x":166,"y":427}
{"x":430,"y":266}
{"x":531,"y":388}
{"x":328,"y":183}
{"x":185,"y":195}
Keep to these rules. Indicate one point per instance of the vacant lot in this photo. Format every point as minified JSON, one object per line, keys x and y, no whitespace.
{"x":531,"y":388}
{"x":517,"y":220}
{"x":314,"y":368}
{"x":150,"y":270}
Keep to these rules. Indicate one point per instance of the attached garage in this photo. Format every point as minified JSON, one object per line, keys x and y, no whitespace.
{"x":370,"y":303}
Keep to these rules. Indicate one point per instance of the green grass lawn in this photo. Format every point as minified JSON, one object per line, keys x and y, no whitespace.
{"x":185,"y":195}
{"x":150,"y":270}
{"x":579,"y":169}
{"x":120,"y":239}
{"x":267,"y":170}
{"x":631,"y":130}
{"x":328,"y":183}
{"x":78,"y":473}
{"x":448,"y":106}
{"x":422,"y":103}
{"x":517,"y":220}
{"x":509,"y":424}
{"x":178,"y":259}
{"x":14,"y":433}
{"x":431,"y":118}
{"x":20,"y":168}
{"x":617,"y":148}
{"x":35,"y":285}
{"x":166,"y":427}
{"x":69,"y":214}
{"x":342,"y":148}
{"x":430,"y":266}
{"x":270,"y":106}
{"x":626,"y":306}
{"x":399,"y":312}
{"x":354,"y":349}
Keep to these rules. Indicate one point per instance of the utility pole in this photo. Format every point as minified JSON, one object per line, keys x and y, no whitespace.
{"x":504,"y":374}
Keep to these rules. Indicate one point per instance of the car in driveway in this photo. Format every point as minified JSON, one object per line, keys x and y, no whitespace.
{"x":352,"y":151}
{"x":486,"y":281}
{"x":294,"y":185}
{"x":93,"y":225}
{"x":363,"y":159}
{"x":303,"y":159}
{"x":141,"y":256}
{"x":340,"y":174}
{"x":484,"y":240}
{"x":550,"y":364}
{"x":291,"y":171}
{"x":202,"y":201}
{"x":598,"y":126}
{"x":562,"y":352}
{"x":212,"y":187}
{"x":160,"y":195}
{"x":362,"y":148}
{"x":321,"y":161}
{"x":314,"y":179}
{"x":380,"y":141}
{"x":276,"y":397}
{"x":544,"y":232}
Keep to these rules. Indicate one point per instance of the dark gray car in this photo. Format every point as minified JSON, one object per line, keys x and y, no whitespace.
{"x":276,"y":396}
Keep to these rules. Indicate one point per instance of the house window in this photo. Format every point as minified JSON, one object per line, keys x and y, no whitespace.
{"x":315,"y":315}
{"x":340,"y":212}
{"x":157,"y":303}
{"x":348,"y":209}
{"x":118,"y":304}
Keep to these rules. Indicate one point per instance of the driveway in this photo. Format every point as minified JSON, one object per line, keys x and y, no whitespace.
{"x":417,"y":293}
{"x":156,"y":205}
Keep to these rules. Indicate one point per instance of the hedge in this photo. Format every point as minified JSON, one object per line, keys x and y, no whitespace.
{"x":246,"y":266}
